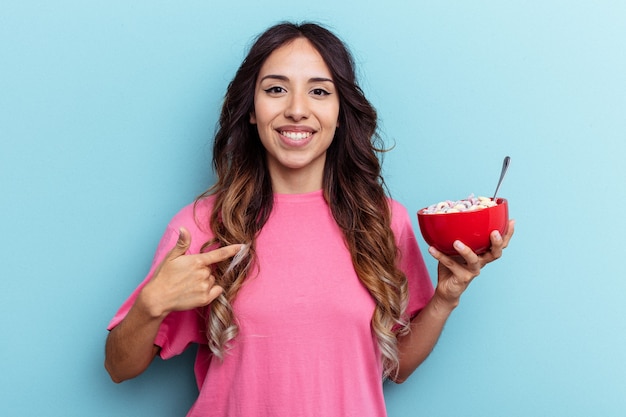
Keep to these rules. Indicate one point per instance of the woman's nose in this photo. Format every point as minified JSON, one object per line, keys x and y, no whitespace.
{"x":297,"y":107}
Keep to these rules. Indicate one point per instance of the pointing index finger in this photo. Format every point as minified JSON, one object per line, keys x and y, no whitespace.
{"x":221,"y":254}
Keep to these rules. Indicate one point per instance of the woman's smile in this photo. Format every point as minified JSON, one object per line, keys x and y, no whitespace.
{"x":296,"y":136}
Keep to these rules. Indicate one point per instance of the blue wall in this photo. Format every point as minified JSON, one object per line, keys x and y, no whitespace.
{"x":106,"y":114}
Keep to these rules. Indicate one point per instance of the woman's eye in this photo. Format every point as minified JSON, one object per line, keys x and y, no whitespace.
{"x":274,"y":90}
{"x":320,"y":92}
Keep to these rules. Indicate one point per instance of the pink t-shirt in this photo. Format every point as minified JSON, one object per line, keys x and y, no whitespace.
{"x":305,"y":345}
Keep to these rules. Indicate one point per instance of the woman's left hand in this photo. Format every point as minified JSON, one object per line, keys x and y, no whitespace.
{"x":455,"y":273}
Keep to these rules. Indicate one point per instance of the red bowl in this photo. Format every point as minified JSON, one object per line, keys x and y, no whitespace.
{"x":470,"y":227}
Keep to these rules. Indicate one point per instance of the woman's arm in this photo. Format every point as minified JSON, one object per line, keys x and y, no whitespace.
{"x":453,"y":277}
{"x":181,"y":282}
{"x":130,"y":345}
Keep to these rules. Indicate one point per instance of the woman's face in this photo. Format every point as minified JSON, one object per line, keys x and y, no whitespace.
{"x":296,"y":107}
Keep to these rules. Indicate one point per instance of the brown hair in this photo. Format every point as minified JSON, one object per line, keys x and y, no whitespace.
{"x":352,"y":186}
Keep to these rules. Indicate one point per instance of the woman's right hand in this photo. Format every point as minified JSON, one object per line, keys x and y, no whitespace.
{"x":182,"y":281}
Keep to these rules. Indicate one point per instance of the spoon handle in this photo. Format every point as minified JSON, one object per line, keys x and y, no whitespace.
{"x":505,"y":166}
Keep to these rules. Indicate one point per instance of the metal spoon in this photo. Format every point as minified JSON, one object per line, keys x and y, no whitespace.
{"x":505,"y":166}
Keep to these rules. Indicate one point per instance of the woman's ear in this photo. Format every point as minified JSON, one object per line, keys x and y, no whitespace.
{"x":252,"y":118}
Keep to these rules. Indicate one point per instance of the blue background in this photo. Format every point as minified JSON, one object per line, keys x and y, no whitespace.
{"x":106,"y":116}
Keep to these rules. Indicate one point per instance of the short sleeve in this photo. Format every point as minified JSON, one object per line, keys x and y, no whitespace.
{"x":180,"y":328}
{"x":168,"y":240}
{"x":411,"y":261}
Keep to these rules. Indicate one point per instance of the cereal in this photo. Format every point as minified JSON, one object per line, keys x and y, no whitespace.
{"x":469,"y":204}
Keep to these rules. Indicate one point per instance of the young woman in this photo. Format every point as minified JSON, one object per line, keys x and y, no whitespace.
{"x":327,"y":293}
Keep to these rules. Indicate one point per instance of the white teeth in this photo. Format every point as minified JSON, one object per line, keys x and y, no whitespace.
{"x":296,"y":135}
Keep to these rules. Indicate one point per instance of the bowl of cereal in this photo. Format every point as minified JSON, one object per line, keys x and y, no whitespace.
{"x":470,"y":220}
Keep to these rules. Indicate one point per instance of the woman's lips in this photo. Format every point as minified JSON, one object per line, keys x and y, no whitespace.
{"x":295,"y":137}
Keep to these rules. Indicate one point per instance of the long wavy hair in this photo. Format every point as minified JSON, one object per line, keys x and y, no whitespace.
{"x":352,"y":186}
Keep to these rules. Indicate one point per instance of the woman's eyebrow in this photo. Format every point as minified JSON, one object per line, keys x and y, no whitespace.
{"x":285,"y":78}
{"x":320,"y":79}
{"x":275,"y":77}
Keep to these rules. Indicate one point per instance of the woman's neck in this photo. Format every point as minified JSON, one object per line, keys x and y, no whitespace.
{"x":295,"y":185}
{"x":296,"y":181}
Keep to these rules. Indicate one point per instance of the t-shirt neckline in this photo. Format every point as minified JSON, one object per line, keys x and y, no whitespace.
{"x":311,"y":196}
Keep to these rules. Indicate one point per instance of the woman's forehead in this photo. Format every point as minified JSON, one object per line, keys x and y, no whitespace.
{"x":297,"y":58}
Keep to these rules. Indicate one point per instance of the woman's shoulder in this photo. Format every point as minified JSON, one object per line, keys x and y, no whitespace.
{"x":398,"y":210}
{"x":400,"y":218}
{"x":194,"y":216}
